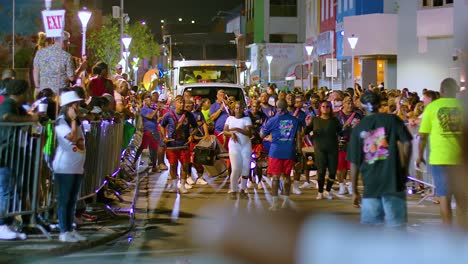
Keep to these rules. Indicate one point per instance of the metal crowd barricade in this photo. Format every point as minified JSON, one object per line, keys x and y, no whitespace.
{"x":21,"y":158}
{"x":103,"y":150}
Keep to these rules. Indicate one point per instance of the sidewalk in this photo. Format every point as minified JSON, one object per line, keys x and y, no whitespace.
{"x":107,"y":227}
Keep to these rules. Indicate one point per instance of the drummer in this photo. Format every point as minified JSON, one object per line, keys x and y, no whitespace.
{"x":176,"y":126}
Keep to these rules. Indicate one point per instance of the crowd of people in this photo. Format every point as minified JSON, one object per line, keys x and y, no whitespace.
{"x":329,"y":133}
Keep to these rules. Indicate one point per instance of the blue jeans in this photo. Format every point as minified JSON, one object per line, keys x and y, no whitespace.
{"x":68,"y":187}
{"x":5,"y":189}
{"x":388,"y":209}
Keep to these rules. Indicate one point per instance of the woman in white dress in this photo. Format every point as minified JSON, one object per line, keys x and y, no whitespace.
{"x":239,"y":129}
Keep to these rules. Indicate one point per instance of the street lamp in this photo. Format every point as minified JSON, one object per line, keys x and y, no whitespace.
{"x":135,"y":70}
{"x":84,"y":16}
{"x":180,"y":19}
{"x":248,"y":64}
{"x":309,"y":50}
{"x":48,"y":4}
{"x":126,"y":41}
{"x":352,"y":43}
{"x":269,"y":58}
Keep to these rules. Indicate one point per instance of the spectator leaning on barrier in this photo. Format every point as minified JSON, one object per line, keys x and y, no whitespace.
{"x":11,"y":110}
{"x":68,"y":164}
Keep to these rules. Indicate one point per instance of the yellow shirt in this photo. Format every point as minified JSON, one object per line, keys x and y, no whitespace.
{"x":442,"y":120}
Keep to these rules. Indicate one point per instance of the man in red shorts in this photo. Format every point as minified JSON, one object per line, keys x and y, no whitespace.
{"x":175,"y":131}
{"x":284,"y":129}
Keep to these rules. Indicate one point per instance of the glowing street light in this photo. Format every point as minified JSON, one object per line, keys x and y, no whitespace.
{"x":135,"y":70}
{"x":162,"y":20}
{"x":309,"y":50}
{"x":353,"y":40}
{"x":180,"y":19}
{"x":248,"y":64}
{"x":126,"y":41}
{"x":269,"y":58}
{"x":84,"y":16}
{"x":193,"y":21}
{"x":48,"y":4}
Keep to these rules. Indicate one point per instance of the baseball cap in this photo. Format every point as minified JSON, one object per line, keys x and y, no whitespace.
{"x":162,"y":97}
{"x":118,"y":66}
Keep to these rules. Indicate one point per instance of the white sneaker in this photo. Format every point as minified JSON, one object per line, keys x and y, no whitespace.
{"x":190,"y":180}
{"x":319,"y":196}
{"x":201,"y":181}
{"x":162,"y":166}
{"x":21,"y":236}
{"x":188,"y":186}
{"x":327,"y":195}
{"x":306,"y":185}
{"x":172,"y":187}
{"x":6,"y":233}
{"x":350,"y":188}
{"x":342,"y":190}
{"x":67,"y":237}
{"x":182,"y":188}
{"x":250,"y":184}
{"x":296,"y":190}
{"x":260,"y":186}
{"x":78,"y":236}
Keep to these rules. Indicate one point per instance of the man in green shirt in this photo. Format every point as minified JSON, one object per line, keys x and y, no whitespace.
{"x":442,"y":124}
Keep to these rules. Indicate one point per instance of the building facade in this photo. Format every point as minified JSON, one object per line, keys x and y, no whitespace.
{"x":276,"y":28}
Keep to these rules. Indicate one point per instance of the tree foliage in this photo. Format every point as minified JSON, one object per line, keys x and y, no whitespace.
{"x":104,"y":43}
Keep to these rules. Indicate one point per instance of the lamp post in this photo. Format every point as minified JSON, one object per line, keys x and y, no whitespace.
{"x":248,"y":64}
{"x":48,"y":4}
{"x":309,"y":50}
{"x":269,"y":58}
{"x":126,"y":41}
{"x":135,"y":70}
{"x":352,"y":43}
{"x":84,"y":16}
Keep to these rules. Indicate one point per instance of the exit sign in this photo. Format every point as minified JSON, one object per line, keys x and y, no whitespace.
{"x":54,"y":22}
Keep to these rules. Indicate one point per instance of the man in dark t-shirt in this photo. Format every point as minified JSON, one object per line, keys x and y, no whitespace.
{"x":380,"y":148}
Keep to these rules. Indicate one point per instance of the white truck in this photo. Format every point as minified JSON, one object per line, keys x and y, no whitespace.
{"x":206,"y":60}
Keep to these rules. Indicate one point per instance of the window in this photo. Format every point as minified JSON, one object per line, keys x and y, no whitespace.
{"x":436,"y":3}
{"x":283,"y":8}
{"x":283,"y":38}
{"x":332,"y":9}
{"x":345,"y":8}
{"x":351,"y":4}
{"x":339,"y":7}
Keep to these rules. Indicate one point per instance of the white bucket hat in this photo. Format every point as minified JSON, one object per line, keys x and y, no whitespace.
{"x":69,"y":97}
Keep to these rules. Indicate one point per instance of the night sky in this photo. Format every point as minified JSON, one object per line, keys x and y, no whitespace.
{"x":152,"y":11}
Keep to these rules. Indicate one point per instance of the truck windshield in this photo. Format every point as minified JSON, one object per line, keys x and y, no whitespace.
{"x":206,"y":74}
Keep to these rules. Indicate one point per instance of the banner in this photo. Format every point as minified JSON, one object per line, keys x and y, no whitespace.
{"x":54,"y":22}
